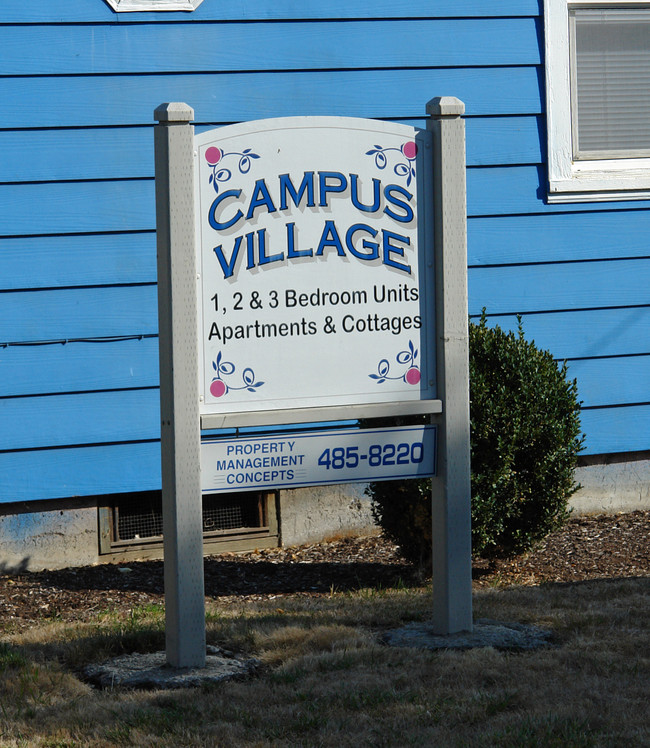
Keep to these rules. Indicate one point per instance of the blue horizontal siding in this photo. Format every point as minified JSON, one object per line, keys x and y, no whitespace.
{"x":60,"y":261}
{"x":536,"y":288}
{"x":514,"y":190}
{"x":585,"y":334}
{"x":94,"y":418}
{"x":623,"y":429}
{"x":496,"y":141}
{"x":82,"y":11}
{"x":559,"y":237}
{"x":612,"y":381}
{"x":78,"y":313}
{"x":132,"y":311}
{"x":78,"y":207}
{"x":57,"y":155}
{"x":131,"y":100}
{"x":129,"y":415}
{"x":127,"y":152}
{"x":84,"y":471}
{"x":81,"y":471}
{"x":78,"y":367}
{"x":119,"y":48}
{"x":84,"y":215}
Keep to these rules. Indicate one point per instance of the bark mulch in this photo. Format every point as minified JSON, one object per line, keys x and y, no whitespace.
{"x":592,"y":547}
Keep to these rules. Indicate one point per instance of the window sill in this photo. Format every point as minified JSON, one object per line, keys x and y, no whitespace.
{"x":587,"y":184}
{"x":141,"y":6}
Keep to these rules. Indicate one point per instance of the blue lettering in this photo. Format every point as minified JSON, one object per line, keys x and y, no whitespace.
{"x":250,"y":250}
{"x":372,"y":246}
{"x":389,"y":249}
{"x":408,"y":214}
{"x":228,"y":267}
{"x":264,"y":258}
{"x":286,"y":186}
{"x":330,"y":238}
{"x":260,"y":197}
{"x":212,"y":217}
{"x":325,"y":188}
{"x":291,"y":244}
{"x":354,"y":195}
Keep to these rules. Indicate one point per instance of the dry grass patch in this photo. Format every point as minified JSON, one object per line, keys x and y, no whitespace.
{"x":295,"y":642}
{"x":327,"y":682}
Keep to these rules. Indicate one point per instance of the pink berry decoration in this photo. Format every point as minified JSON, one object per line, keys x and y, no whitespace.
{"x":410,"y":150}
{"x":217,"y":388}
{"x":213,"y":155}
{"x":412,"y":376}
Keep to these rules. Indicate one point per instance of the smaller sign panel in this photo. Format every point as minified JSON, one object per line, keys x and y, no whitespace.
{"x":314,"y":459}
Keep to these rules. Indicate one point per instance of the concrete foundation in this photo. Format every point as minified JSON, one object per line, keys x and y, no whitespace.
{"x":309,"y":515}
{"x":56,"y":534}
{"x":48,"y":535}
{"x":614,"y":483}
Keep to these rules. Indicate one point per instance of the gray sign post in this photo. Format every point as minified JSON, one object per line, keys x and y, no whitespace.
{"x":452,"y":540}
{"x":179,"y":387}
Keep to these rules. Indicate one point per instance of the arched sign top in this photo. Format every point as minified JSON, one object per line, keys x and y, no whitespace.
{"x":307,"y":123}
{"x":315,"y":258}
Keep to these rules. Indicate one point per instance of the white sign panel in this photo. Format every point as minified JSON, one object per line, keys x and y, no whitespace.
{"x":315,"y":282}
{"x":317,"y":458}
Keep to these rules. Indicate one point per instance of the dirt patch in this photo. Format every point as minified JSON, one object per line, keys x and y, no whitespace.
{"x":595,"y":547}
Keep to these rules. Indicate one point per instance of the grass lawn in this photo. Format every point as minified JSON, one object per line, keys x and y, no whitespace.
{"x":326,"y":681}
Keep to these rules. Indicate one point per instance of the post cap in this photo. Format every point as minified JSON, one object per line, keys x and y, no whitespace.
{"x":446,"y":106}
{"x":174,"y":111}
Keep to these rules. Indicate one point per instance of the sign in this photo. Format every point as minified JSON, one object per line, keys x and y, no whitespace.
{"x":305,"y":248}
{"x":315,"y":264}
{"x":293,"y":460}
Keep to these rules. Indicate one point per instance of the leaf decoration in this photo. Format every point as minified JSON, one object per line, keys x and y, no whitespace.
{"x":380,"y":160}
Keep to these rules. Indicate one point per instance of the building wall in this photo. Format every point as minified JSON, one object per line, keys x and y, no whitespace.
{"x":79,"y":84}
{"x":62,"y":533}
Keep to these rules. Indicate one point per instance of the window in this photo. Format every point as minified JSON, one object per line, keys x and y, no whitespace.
{"x":597,"y":102}
{"x":127,"y":6}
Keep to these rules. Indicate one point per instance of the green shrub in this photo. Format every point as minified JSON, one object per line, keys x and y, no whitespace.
{"x":525,"y":438}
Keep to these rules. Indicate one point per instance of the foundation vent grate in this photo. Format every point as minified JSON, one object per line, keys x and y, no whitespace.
{"x":139,"y":518}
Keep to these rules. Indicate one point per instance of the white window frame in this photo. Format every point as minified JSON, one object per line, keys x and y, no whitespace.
{"x":595,"y":180}
{"x":140,"y":6}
